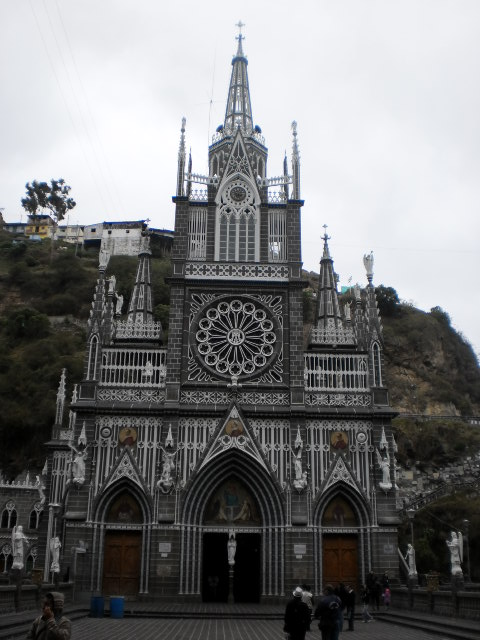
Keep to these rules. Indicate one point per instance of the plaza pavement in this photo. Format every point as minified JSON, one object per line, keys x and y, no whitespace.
{"x":208,"y":629}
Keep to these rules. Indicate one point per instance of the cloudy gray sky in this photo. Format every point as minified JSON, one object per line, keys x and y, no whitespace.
{"x":386,"y":94}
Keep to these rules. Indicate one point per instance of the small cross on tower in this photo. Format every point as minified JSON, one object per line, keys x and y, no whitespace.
{"x":240,"y":24}
{"x":325,"y":237}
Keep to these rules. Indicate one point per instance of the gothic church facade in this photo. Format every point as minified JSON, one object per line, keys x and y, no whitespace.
{"x":242,"y":457}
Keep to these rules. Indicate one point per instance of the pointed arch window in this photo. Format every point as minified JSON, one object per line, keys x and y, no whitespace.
{"x":377,"y":365}
{"x":277,"y":236}
{"x":35,"y":516}
{"x":197,"y":233}
{"x":9,"y":516}
{"x":6,"y":552}
{"x":92,"y":358}
{"x":237,"y":232}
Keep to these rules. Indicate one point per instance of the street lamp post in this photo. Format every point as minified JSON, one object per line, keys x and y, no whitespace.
{"x":466,"y":524}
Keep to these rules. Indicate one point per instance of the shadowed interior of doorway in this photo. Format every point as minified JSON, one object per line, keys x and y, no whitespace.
{"x":246,"y":570}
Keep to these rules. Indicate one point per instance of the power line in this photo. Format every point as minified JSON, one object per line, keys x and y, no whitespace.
{"x":72,"y":121}
{"x":92,"y":119}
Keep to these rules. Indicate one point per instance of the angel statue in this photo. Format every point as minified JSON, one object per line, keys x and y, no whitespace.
{"x":300,"y":480}
{"x":384,"y":464}
{"x":166,"y":480}
{"x":368,"y":263}
{"x":455,"y":546}
{"x":19,"y":540}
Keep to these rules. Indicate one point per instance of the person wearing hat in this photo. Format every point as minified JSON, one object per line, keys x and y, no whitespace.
{"x":297,"y":617}
{"x":51,"y":625}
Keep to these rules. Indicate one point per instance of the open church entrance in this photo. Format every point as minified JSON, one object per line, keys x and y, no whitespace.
{"x":246,"y":570}
{"x":340,"y":550}
{"x":232,"y":506}
{"x":122,"y":557}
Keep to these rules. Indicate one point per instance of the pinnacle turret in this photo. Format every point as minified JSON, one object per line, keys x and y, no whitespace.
{"x":181,"y":161}
{"x":140,"y":308}
{"x":295,"y":164}
{"x":329,"y":328}
{"x":328,"y":308}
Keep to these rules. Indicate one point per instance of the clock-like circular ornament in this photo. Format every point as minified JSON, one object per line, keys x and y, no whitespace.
{"x":235,"y":337}
{"x":238,"y":193}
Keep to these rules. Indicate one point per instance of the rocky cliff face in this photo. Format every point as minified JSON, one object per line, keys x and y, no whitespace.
{"x":431,"y":369}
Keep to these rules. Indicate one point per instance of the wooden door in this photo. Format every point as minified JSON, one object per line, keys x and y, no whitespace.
{"x":121,"y":564}
{"x":340,"y":560}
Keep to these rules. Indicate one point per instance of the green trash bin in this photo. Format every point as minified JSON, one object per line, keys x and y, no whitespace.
{"x":117,"y":606}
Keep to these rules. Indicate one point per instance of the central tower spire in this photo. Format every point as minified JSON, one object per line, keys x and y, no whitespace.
{"x":239,"y":109}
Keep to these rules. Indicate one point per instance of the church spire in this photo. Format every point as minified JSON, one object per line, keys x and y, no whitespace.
{"x":239,"y":110}
{"x":329,"y":327}
{"x":328,"y":308}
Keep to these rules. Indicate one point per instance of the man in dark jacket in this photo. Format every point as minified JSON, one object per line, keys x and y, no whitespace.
{"x":297,"y":616}
{"x":51,"y":625}
{"x":350,"y":603}
{"x":328,"y":612}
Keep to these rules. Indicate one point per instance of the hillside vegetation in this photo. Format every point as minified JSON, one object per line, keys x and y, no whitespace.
{"x":44,"y":306}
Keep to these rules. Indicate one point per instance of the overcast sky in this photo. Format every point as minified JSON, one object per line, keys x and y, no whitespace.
{"x":386,"y":95}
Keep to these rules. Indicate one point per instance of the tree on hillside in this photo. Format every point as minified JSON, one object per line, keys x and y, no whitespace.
{"x":50,"y":198}
{"x":387,"y":300}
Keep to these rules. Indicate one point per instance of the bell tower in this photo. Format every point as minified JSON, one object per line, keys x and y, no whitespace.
{"x":237,"y":264}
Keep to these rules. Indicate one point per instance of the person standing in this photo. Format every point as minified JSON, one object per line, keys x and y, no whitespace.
{"x":387,"y":596}
{"x":328,"y":613}
{"x":350,"y":603}
{"x":365,"y":595}
{"x":341,"y":592}
{"x":307,"y":597}
{"x":297,"y":617}
{"x":51,"y":625}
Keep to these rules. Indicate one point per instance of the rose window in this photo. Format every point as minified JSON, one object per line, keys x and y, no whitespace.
{"x":235,"y":337}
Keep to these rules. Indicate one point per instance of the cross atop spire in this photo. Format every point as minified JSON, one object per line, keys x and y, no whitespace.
{"x":325,"y":238}
{"x":240,"y":24}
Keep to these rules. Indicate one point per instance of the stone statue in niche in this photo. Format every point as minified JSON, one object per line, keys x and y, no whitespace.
{"x":112,"y":282}
{"x":165,"y":482}
{"x":455,"y":546}
{"x":55,"y":546}
{"x":384,"y":464}
{"x":78,"y":465}
{"x":300,"y":479}
{"x":231,"y":548}
{"x":119,"y":305}
{"x":19,"y":541}
{"x":410,"y":558}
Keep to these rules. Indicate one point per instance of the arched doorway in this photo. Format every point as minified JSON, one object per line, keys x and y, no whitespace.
{"x":122,"y":548}
{"x":340,"y":548}
{"x":200,"y":514}
{"x":232,"y":505}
